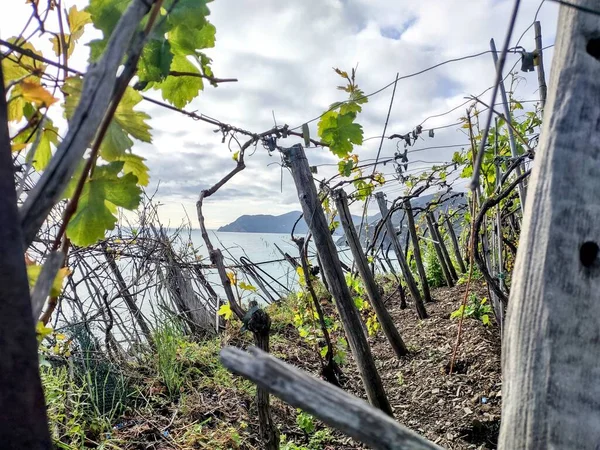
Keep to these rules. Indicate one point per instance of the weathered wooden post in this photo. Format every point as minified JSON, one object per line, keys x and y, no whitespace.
{"x":539,"y":56}
{"x":23,"y":420}
{"x":455,"y":246}
{"x":412,"y":229}
{"x":552,"y":330}
{"x":387,"y":324}
{"x":443,"y":247}
{"x":410,"y":281}
{"x":511,"y":136}
{"x":438,"y":251}
{"x":315,"y":219}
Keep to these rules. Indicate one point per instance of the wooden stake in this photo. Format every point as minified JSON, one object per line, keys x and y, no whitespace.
{"x":410,"y":281}
{"x":511,"y":136}
{"x":385,"y":320}
{"x":315,"y":218}
{"x":412,"y":229}
{"x":438,"y":251}
{"x":540,"y":64}
{"x":443,"y":247}
{"x":455,"y":246}
{"x":551,"y":342}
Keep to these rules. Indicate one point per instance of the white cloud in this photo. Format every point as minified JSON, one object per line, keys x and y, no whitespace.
{"x":283,"y":52}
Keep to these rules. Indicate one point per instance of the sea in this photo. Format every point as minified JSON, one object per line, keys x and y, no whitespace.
{"x":261,"y":249}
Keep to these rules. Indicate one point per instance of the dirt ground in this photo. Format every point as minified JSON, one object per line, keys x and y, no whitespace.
{"x":458,"y":411}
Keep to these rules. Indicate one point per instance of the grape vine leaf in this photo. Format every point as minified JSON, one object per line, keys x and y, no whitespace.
{"x":77,"y":20}
{"x":340,"y":132}
{"x":35,"y":93}
{"x":190,"y":12}
{"x":155,"y":60}
{"x":23,"y":66}
{"x":180,"y":90}
{"x":185,"y":40}
{"x":135,"y":164}
{"x":105,"y":15}
{"x":102,"y":193}
{"x":126,"y":122}
{"x":33,"y":273}
{"x":43,"y":152}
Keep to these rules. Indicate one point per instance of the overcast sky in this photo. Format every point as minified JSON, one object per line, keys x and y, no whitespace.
{"x":282,"y":53}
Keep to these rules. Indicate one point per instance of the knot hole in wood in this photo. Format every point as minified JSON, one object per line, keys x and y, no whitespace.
{"x":588,"y":253}
{"x":593,"y":48}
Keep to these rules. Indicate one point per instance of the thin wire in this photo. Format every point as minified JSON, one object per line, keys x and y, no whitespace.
{"x":532,"y":23}
{"x":387,"y":119}
{"x":404,"y":77}
{"x":499,"y":68}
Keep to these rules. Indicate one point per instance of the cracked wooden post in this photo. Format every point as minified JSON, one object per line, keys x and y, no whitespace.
{"x":438,"y":251}
{"x":315,"y":218}
{"x":412,"y":229}
{"x":410,"y":281}
{"x":552,"y":331}
{"x":385,"y":320}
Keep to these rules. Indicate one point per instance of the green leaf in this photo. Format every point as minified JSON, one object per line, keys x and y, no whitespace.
{"x":115,"y":143}
{"x":101,"y":195}
{"x":189,"y":12}
{"x":43,"y":153}
{"x":181,"y":90}
{"x":135,"y":164}
{"x":345,"y":167}
{"x":485,"y":319}
{"x":133,"y":122}
{"x":185,"y":39}
{"x":340,"y":132}
{"x":105,"y":15}
{"x":126,"y":121}
{"x":155,"y":60}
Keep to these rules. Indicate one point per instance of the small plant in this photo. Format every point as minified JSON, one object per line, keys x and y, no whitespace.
{"x":433,"y":268}
{"x":169,"y":366}
{"x":400,"y":378}
{"x":476,"y":309}
{"x":305,"y":422}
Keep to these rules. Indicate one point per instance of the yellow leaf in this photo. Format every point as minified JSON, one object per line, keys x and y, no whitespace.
{"x":33,"y":272}
{"x":236,"y":156}
{"x":247,"y":287}
{"x":17,"y":147}
{"x":225,"y":311}
{"x":33,"y":92}
{"x":232,"y":278}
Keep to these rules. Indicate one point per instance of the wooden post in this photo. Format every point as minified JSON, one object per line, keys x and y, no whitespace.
{"x":511,"y":137}
{"x":410,"y":281}
{"x":455,"y":246}
{"x":540,"y":64}
{"x":438,"y":251}
{"x":385,"y":320}
{"x":259,"y":324}
{"x":315,"y":218}
{"x":552,"y":332}
{"x":443,"y":247}
{"x":412,"y":229}
{"x":23,"y":420}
